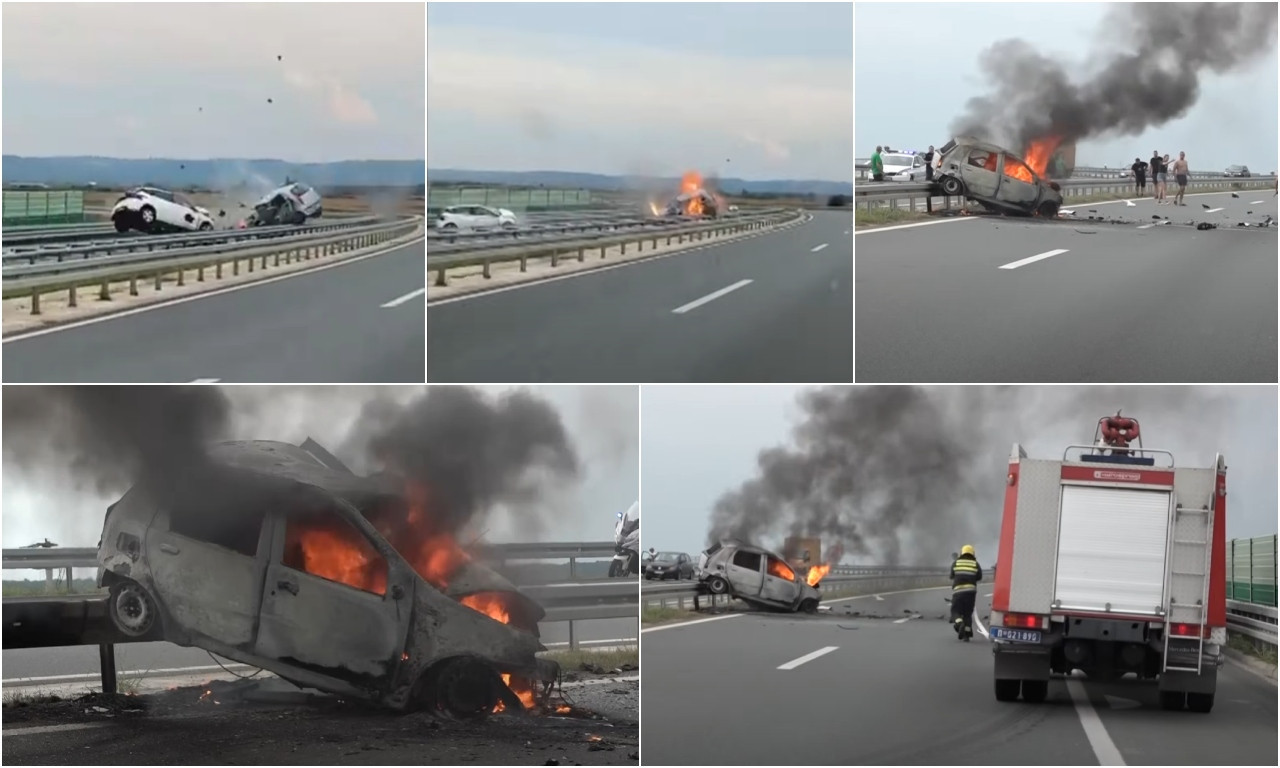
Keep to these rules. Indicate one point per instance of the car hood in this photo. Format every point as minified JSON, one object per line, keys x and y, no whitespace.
{"x":663,"y":563}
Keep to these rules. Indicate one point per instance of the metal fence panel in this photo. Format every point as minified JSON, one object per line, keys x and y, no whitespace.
{"x":1251,"y":575}
{"x":505,"y":197}
{"x":39,"y":208}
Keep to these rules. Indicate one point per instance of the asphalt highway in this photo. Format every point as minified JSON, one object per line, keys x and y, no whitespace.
{"x":35,"y":666}
{"x":982,"y":299}
{"x":761,"y":689}
{"x":356,"y":322}
{"x":776,"y":307}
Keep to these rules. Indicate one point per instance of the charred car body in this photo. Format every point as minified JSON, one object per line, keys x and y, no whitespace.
{"x":996,"y":178}
{"x":697,"y":203}
{"x":274,"y":555}
{"x":756,"y":576}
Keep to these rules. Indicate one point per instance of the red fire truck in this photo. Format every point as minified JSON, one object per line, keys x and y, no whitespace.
{"x":1112,"y":561}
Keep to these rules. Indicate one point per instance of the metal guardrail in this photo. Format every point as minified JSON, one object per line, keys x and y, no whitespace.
{"x":45,"y":622}
{"x":1257,"y":622}
{"x":662,"y":594}
{"x":863,"y":169}
{"x":445,"y":241}
{"x":578,"y":246}
{"x":156,"y":266}
{"x":870,"y":194}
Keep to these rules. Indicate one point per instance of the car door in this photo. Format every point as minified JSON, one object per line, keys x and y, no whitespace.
{"x":1017,"y":183}
{"x":209,"y":576}
{"x":185,"y":211}
{"x":332,"y":600}
{"x":779,"y":581}
{"x":979,"y":172}
{"x":486,"y":218}
{"x":684,"y":568}
{"x":745,"y":571}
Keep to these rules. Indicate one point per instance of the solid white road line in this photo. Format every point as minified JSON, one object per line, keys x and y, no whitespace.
{"x":903,"y":620}
{"x":817,"y":248}
{"x":38,"y":729}
{"x":1103,"y":747}
{"x":1214,"y":210}
{"x":877,"y":595}
{"x":205,"y":381}
{"x":977,"y":622}
{"x":710,"y":297}
{"x":397,"y":302}
{"x":691,"y":623}
{"x":808,"y":657}
{"x":1033,"y":259}
{"x":1256,"y":202}
{"x":1146,"y":226}
{"x":917,"y":224}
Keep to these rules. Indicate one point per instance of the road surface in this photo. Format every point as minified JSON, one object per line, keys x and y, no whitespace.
{"x":758,"y":689}
{"x":1025,"y":301}
{"x":776,"y":307}
{"x":357,"y":322}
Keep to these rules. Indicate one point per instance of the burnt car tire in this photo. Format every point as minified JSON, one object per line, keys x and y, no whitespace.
{"x":951,"y":186}
{"x":717,"y":585}
{"x":809,"y":606}
{"x":132,"y":609}
{"x":1048,"y":209}
{"x":464,"y":688}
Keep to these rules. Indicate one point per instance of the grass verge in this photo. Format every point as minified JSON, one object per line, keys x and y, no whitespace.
{"x":879,"y":217}
{"x":1244,"y":644}
{"x":661,"y":615}
{"x":608,"y":660}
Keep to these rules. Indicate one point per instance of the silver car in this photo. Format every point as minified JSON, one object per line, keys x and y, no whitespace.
{"x":270,"y":554}
{"x":756,"y":576}
{"x":292,"y":203}
{"x":995,"y":177}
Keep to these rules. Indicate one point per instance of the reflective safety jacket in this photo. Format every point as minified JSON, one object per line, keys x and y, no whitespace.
{"x":965,"y":573}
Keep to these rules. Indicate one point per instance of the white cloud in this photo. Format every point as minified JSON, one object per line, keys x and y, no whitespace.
{"x":504,"y":75}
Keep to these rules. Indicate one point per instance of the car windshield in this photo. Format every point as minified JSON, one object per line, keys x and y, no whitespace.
{"x":668,"y":556}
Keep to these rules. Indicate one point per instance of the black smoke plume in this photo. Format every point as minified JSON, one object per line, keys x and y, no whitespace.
{"x":906,"y":475}
{"x":1170,"y":47}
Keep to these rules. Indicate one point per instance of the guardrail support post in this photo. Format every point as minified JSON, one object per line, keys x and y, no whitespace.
{"x":35,"y":303}
{"x":573,"y":637}
{"x":107,"y":656}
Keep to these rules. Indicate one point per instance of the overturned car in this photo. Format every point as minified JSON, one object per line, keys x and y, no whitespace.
{"x":758,"y":577}
{"x":292,"y":203}
{"x":996,"y":178}
{"x":697,"y":203}
{"x":278,"y":556}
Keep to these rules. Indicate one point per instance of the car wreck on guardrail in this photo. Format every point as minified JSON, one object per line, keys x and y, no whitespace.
{"x":996,"y":178}
{"x":278,"y":556}
{"x":758,"y":577}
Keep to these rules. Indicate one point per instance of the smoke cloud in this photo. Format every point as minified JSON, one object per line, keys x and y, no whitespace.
{"x":1171,"y":46}
{"x":906,"y":475}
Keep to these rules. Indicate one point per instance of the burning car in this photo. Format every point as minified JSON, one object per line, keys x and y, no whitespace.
{"x":694,"y":200}
{"x":996,"y":178}
{"x":278,"y":556}
{"x":292,"y":203}
{"x":759,"y":577}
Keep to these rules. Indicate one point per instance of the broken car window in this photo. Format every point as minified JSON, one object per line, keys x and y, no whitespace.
{"x":981,"y":158}
{"x":238,"y":531}
{"x":325,"y":545}
{"x":781,"y":569}
{"x":1017,"y":169}
{"x":748,"y":560}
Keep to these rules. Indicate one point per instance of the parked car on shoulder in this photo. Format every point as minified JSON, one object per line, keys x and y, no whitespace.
{"x":1241,"y":171}
{"x":156,"y":210}
{"x":670,"y":565}
{"x":996,"y":178}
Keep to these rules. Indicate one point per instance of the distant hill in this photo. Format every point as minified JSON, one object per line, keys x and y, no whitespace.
{"x":571,"y":180}
{"x":216,"y":173}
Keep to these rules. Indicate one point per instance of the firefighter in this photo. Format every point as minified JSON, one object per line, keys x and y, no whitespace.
{"x":965,"y":575}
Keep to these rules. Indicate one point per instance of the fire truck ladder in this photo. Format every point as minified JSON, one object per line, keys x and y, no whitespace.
{"x":1200,"y":609}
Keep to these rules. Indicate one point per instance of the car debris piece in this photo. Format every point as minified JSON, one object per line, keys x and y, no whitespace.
{"x":267,"y":555}
{"x":1204,"y":206}
{"x":1206,"y":225}
{"x":759,"y":577}
{"x":997,"y":178}
{"x":1233,"y":194}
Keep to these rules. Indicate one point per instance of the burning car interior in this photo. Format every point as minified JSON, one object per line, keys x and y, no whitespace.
{"x":279,"y":557}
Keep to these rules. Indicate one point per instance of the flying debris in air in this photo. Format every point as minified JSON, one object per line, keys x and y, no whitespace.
{"x":269,"y":101}
{"x":279,"y":57}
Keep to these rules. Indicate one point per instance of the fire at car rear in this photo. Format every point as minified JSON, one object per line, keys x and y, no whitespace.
{"x":278,"y":556}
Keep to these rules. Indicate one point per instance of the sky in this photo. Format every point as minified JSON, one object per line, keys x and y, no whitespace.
{"x":191,"y":80}
{"x":917,"y":66}
{"x":699,"y":442}
{"x":602,"y":423}
{"x":750,"y":90}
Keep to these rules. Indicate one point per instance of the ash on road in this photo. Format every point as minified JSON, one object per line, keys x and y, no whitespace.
{"x":231,"y":723}
{"x":1122,"y":298}
{"x":893,"y":686}
{"x":775,"y":307}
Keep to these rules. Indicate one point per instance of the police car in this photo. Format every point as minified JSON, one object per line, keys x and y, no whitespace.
{"x":903,"y":166}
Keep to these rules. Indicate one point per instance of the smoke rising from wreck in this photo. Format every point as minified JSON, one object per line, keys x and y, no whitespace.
{"x":1171,"y":46}
{"x":469,"y":452}
{"x":906,"y":475}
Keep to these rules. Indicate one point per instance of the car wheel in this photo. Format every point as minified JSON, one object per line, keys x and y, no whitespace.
{"x":450,"y":226}
{"x":147,"y":215}
{"x":133,"y":611}
{"x":1048,"y":209}
{"x":205,"y":226}
{"x":121,"y":224}
{"x":1007,"y":690}
{"x":1035,"y":691}
{"x":951,"y":186}
{"x":717,"y":585}
{"x":809,"y":606}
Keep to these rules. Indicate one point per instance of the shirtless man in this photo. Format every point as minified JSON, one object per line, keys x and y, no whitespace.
{"x":1180,"y":174}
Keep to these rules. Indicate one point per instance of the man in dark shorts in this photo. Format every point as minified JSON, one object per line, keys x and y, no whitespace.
{"x":1180,"y":173}
{"x":1139,"y":169}
{"x":928,"y":164}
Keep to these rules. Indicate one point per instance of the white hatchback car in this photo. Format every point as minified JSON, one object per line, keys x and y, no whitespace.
{"x":151,"y":209}
{"x":293,"y":203}
{"x":469,"y":217}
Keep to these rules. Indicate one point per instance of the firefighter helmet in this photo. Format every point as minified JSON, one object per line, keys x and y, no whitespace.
{"x":967,"y":549}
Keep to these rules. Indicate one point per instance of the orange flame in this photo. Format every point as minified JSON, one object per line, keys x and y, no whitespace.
{"x":690,"y":184}
{"x":491,"y":604}
{"x":337,"y":554}
{"x":817,"y":573}
{"x":519,"y":688}
{"x":1040,"y":152}
{"x":781,"y":570}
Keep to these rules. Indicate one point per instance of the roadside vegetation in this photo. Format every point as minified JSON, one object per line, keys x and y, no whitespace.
{"x":1245,"y":644}
{"x":661,"y":615}
{"x":39,"y":588}
{"x":879,"y":217}
{"x":608,"y":660}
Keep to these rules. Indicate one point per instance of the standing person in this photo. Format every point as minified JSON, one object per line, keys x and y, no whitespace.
{"x":1180,"y":174}
{"x":1153,"y":168}
{"x":928,"y":164}
{"x":965,"y":575}
{"x":877,"y":165}
{"x":1164,"y":179}
{"x":1139,"y":169}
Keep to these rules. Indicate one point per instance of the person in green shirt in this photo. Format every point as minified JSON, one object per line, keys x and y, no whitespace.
{"x":877,"y":165}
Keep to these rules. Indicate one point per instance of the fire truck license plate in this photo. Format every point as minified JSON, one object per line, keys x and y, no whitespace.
{"x":1016,"y":635}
